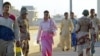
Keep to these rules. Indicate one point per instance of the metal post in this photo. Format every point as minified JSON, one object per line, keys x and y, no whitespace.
{"x":70,"y":5}
{"x":98,"y":9}
{"x":1,"y":3}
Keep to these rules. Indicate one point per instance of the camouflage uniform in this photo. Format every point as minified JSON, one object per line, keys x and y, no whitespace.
{"x":82,"y":30}
{"x":83,"y":40}
{"x":24,"y":33}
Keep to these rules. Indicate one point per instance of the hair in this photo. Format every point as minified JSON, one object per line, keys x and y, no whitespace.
{"x":46,"y":11}
{"x":92,"y":10}
{"x":6,"y":3}
{"x":65,"y":13}
{"x":71,"y":12}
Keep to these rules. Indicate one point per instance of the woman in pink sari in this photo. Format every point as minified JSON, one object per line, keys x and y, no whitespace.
{"x":46,"y":32}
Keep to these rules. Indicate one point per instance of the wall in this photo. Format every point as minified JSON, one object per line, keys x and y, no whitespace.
{"x":98,"y":9}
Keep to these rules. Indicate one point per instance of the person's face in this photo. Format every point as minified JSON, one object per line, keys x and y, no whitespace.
{"x":24,"y":15}
{"x":6,"y":8}
{"x":72,"y":16}
{"x":46,"y":15}
{"x":66,"y":15}
{"x":92,"y":13}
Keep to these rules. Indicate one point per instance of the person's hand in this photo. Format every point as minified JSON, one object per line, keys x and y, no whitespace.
{"x":60,"y":33}
{"x":28,"y":38}
{"x":76,"y":32}
{"x":38,"y":41}
{"x":70,"y":31}
{"x":18,"y":43}
{"x":93,"y":28}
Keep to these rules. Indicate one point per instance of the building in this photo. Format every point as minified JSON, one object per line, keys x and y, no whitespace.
{"x":14,"y":11}
{"x":58,"y":18}
{"x":32,"y":14}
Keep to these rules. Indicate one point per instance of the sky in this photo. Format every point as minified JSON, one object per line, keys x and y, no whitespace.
{"x":56,"y":6}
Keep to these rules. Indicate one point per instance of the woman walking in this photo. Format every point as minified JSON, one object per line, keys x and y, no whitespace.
{"x":46,"y":32}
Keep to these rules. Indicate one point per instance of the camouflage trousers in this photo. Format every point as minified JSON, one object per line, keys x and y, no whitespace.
{"x":25,"y":47}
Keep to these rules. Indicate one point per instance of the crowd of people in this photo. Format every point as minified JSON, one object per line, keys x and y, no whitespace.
{"x":77,"y":33}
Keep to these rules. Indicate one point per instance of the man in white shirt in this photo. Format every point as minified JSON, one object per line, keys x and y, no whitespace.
{"x":9,"y":31}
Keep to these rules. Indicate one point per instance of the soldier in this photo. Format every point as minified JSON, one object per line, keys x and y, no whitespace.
{"x":24,"y":30}
{"x":83,"y":40}
{"x":95,"y":22}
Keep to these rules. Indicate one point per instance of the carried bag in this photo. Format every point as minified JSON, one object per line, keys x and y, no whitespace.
{"x":19,"y":51}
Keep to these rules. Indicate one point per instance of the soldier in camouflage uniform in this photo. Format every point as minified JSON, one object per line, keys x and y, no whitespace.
{"x":95,"y":23}
{"x":24,"y":31}
{"x":83,"y":40}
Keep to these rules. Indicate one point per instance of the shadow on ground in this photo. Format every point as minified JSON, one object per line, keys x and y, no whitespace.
{"x":57,"y":49}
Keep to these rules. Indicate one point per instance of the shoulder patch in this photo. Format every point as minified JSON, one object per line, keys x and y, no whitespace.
{"x":12,"y":17}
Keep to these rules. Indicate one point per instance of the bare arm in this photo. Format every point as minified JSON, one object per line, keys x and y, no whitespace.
{"x":16,"y":30}
{"x":61,"y":26}
{"x":71,"y":26}
{"x":39,"y":34}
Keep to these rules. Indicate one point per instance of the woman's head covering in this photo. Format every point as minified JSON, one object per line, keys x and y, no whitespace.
{"x":23,"y":10}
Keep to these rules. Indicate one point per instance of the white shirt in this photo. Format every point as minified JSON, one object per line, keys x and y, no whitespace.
{"x":47,"y":25}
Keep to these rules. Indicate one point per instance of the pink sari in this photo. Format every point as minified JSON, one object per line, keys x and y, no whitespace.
{"x":46,"y":44}
{"x":46,"y":38}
